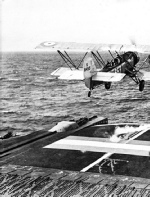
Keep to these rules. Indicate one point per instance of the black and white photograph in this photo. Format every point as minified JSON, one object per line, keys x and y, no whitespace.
{"x":75,"y":98}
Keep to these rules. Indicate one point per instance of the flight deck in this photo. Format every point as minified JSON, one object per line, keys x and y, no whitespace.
{"x":93,"y":160}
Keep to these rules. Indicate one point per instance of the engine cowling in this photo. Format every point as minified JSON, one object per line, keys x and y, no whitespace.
{"x":129,"y":56}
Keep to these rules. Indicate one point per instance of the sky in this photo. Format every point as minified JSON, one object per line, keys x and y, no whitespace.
{"x":27,"y":23}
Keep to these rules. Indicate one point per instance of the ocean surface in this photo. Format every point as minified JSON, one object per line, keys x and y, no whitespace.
{"x":32,"y":100}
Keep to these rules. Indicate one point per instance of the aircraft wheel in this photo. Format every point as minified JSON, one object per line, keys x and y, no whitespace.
{"x":107,"y":85}
{"x":141,"y":85}
{"x":89,"y":93}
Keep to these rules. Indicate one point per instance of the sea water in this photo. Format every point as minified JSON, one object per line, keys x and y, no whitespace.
{"x":31,"y":99}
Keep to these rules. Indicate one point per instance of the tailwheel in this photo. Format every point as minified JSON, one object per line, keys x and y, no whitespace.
{"x":89,"y":93}
{"x":107,"y":85}
{"x":141,"y":85}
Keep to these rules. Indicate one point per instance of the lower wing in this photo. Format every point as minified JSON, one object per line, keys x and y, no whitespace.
{"x":74,"y":74}
{"x":68,"y":74}
{"x":145,"y":75}
{"x":108,"y":76}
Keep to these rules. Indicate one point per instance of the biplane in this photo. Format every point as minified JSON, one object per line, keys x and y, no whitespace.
{"x":125,"y":62}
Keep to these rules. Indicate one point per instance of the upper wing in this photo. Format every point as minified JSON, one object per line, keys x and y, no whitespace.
{"x":93,"y":47}
{"x":74,"y":74}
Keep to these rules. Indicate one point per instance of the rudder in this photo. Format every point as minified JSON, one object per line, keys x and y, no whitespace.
{"x":89,"y":70}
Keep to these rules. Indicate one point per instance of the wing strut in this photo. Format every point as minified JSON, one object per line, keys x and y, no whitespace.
{"x":70,"y":59}
{"x":82,"y":60}
{"x":146,"y":59}
{"x":99,"y":61}
{"x":66,"y":60}
{"x":101,"y":58}
{"x":111,"y":54}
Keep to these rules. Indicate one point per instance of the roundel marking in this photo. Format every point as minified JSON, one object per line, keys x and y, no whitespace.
{"x":47,"y":44}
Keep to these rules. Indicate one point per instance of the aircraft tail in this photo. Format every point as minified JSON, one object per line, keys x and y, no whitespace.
{"x":89,"y":70}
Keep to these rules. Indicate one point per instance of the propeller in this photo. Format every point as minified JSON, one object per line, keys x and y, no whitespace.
{"x":135,"y":45}
{"x":133,"y":41}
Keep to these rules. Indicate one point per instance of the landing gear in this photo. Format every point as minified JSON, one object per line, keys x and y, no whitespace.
{"x":107,"y":85}
{"x":141,"y":85}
